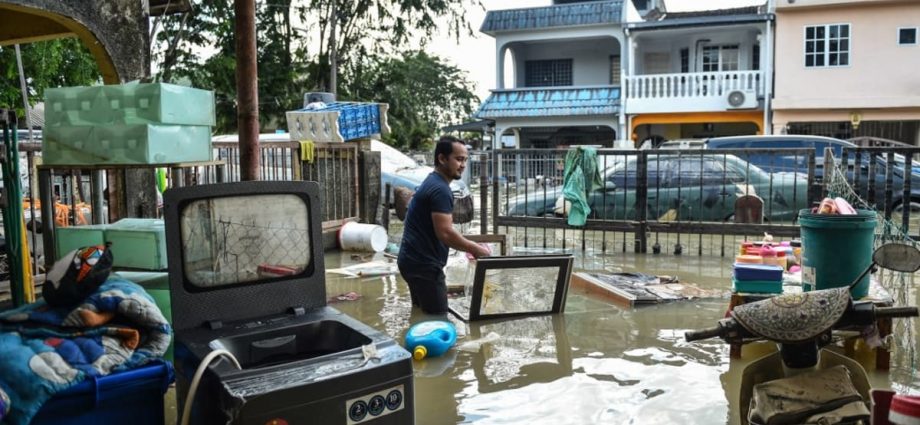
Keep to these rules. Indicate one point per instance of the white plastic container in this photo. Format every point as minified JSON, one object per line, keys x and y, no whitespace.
{"x":362,"y":237}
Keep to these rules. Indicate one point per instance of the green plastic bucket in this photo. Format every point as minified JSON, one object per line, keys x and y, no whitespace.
{"x":836,"y":249}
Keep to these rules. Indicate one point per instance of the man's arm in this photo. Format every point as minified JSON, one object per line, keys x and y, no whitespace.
{"x":444,"y":230}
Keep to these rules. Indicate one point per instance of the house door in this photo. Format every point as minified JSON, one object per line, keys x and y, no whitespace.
{"x":717,"y":59}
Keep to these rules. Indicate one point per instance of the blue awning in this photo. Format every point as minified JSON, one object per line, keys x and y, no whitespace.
{"x":561,"y":15}
{"x":551,"y":102}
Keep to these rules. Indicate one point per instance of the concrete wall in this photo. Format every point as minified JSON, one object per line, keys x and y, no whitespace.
{"x":116,"y":32}
{"x":744,"y":38}
{"x":590,"y":58}
{"x":881,"y":73}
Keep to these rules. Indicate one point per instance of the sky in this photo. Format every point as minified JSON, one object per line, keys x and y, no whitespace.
{"x":476,"y":54}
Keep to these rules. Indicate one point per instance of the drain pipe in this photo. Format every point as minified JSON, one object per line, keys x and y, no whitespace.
{"x":768,"y":73}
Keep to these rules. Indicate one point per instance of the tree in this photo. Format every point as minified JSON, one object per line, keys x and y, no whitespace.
{"x":294,"y":46}
{"x":377,"y":27}
{"x":424,"y":93}
{"x":54,"y":63}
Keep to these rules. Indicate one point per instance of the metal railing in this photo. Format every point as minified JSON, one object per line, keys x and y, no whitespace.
{"x":644,"y":193}
{"x":333,"y":165}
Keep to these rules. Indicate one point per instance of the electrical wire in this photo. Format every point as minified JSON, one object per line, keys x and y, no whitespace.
{"x":193,"y":387}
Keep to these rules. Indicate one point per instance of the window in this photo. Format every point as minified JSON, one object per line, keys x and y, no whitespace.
{"x":684,"y":60}
{"x":615,"y":70}
{"x":720,"y":58}
{"x":755,"y":58}
{"x":827,"y":45}
{"x":907,"y":36}
{"x":548,"y":73}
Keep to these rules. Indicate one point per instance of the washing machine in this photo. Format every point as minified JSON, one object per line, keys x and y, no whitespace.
{"x":248,"y":296}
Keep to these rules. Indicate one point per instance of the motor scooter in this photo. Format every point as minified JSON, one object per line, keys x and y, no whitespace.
{"x":803,"y":380}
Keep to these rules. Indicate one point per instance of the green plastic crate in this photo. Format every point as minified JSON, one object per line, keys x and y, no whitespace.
{"x":758,"y":286}
{"x":67,"y":239}
{"x":138,"y":243}
{"x":126,"y":144}
{"x":156,"y":103}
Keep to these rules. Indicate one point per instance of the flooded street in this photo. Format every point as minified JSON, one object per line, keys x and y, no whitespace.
{"x":596,"y":363}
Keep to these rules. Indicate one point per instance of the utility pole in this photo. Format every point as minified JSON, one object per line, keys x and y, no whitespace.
{"x":247,"y":88}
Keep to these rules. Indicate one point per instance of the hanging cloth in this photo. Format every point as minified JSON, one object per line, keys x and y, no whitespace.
{"x":581,"y":177}
{"x":307,"y":151}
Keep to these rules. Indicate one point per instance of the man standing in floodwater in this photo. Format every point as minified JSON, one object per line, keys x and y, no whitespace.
{"x":429,"y":230}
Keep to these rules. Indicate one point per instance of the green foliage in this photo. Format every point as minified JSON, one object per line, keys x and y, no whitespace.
{"x":423,"y":92}
{"x":294,"y":47}
{"x":54,"y":63}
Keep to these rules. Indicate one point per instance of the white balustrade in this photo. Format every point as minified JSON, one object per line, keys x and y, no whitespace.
{"x":693,"y":85}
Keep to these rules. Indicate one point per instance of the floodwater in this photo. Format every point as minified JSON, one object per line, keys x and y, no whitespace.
{"x":595,"y":364}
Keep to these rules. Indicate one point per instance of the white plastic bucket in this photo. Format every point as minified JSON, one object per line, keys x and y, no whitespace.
{"x":362,"y":237}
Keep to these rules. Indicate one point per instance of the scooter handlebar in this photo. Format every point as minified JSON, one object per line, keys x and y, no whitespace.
{"x":881,"y":312}
{"x":703,"y":334}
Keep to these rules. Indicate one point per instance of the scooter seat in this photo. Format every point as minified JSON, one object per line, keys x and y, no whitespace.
{"x":792,"y":318}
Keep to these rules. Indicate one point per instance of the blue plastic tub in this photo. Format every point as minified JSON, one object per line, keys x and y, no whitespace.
{"x":758,"y":272}
{"x":133,"y":397}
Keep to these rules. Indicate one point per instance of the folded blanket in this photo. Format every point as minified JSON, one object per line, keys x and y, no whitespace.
{"x":46,"y":349}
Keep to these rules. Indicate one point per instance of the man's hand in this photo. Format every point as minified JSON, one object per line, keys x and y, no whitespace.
{"x":445,"y":232}
{"x":476,"y":253}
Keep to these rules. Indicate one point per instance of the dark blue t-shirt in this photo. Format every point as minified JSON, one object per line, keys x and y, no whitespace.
{"x":420,"y":245}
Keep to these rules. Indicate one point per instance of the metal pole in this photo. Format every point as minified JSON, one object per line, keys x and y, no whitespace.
{"x":333,"y":63}
{"x":247,"y":88}
{"x":96,"y":180}
{"x":25,"y":94}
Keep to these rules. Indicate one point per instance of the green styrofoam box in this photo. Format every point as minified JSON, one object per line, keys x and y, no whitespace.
{"x":69,"y":238}
{"x":157,"y":285}
{"x":138,"y":243}
{"x":155,"y":103}
{"x":126,"y":144}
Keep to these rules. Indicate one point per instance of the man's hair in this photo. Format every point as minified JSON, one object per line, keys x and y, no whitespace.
{"x":445,"y":146}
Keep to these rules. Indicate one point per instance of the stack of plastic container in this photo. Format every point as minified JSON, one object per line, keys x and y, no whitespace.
{"x":338,"y":121}
{"x":127,"y":124}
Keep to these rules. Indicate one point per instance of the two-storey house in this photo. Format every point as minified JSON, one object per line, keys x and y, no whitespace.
{"x":563,"y":84}
{"x":696,"y":74}
{"x":848,"y":68}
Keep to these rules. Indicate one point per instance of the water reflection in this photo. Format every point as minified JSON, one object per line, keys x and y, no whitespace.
{"x":594,"y":364}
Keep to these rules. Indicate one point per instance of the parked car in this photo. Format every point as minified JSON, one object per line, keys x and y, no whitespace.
{"x":681,"y":188}
{"x":772,"y":161}
{"x":398,"y":169}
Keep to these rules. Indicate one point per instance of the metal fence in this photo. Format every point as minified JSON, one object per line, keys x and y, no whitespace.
{"x":686,"y":201}
{"x":333,"y":165}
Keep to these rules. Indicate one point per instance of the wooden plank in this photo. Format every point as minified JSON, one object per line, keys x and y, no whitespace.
{"x":586,"y":283}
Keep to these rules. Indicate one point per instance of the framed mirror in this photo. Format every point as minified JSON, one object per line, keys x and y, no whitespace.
{"x":515,"y":286}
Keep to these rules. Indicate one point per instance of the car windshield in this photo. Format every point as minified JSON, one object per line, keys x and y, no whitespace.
{"x":391,"y":159}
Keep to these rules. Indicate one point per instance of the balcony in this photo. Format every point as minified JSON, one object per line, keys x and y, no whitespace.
{"x":694,"y":92}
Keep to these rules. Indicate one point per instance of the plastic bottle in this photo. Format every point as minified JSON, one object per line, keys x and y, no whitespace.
{"x":430,"y":339}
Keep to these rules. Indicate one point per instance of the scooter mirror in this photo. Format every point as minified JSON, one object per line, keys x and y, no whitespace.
{"x":898,"y":257}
